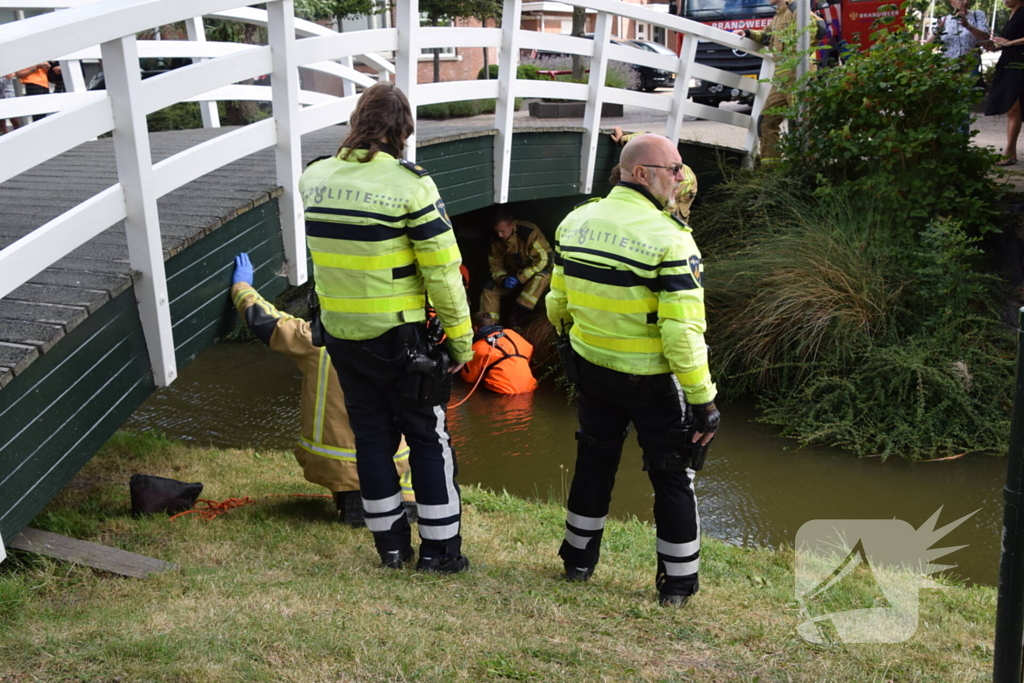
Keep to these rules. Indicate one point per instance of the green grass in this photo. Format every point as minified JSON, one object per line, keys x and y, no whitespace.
{"x":277,"y":591}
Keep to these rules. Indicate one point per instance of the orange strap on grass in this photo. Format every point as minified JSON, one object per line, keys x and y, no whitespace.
{"x":214,"y":509}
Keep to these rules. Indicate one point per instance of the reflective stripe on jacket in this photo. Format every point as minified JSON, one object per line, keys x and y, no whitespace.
{"x":628,"y":279}
{"x":326,"y":448}
{"x":380,"y":239}
{"x":524,"y":254}
{"x":504,"y":358}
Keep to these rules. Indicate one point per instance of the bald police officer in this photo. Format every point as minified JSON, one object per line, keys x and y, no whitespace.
{"x":627,"y":283}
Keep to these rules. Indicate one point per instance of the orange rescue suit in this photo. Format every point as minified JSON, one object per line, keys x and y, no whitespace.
{"x":504,"y":358}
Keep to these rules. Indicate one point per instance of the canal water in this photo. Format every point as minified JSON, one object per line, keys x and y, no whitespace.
{"x":757,"y":489}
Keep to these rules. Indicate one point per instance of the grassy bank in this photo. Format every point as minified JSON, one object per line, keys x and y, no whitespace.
{"x":277,"y":591}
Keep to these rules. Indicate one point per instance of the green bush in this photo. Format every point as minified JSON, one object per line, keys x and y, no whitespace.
{"x":433,"y":111}
{"x":523,"y":71}
{"x":920,"y":398}
{"x":181,"y":116}
{"x":465,"y":108}
{"x":891,"y":128}
{"x":450,"y":110}
{"x":848,"y":334}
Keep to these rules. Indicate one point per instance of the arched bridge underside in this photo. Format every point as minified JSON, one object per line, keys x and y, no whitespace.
{"x":73,"y":356}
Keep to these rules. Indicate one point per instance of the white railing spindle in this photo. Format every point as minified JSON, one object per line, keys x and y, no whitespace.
{"x":196,"y":32}
{"x":508,"y":61}
{"x":407,"y":21}
{"x":595,"y":101}
{"x":142,"y":222}
{"x":680,"y":92}
{"x":284,"y":81}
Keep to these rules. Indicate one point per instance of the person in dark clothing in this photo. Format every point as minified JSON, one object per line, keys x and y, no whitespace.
{"x":1008,"y":83}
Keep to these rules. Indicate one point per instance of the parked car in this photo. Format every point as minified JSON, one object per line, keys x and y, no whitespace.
{"x":646,"y":78}
{"x":654,"y":78}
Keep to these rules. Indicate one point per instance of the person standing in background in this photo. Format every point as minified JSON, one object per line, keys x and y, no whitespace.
{"x":7,"y":93}
{"x":36,"y":80}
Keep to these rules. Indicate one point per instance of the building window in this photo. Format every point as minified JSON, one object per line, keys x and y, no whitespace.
{"x":444,"y":51}
{"x":641,"y":31}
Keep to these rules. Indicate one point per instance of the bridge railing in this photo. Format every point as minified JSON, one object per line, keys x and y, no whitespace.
{"x":108,"y":28}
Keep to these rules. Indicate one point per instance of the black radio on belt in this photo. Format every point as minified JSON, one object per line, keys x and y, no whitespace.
{"x":316,"y":327}
{"x":426,"y":381}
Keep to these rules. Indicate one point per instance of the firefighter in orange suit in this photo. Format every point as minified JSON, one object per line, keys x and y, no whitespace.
{"x":520,"y":263}
{"x":502,"y":355}
{"x":327,"y":448}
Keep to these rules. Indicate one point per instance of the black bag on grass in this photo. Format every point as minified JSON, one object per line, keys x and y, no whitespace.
{"x":152,"y":494}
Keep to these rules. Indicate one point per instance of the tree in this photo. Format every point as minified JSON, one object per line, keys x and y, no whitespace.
{"x":440,"y":12}
{"x":337,"y":10}
{"x":489,"y":9}
{"x":579,"y":27}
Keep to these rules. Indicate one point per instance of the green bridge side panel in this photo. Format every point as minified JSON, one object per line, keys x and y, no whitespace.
{"x":463,"y":171}
{"x":66,"y":405}
{"x":55,"y":415}
{"x":199,"y":283}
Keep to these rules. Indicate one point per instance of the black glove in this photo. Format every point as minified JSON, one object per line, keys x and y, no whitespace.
{"x":706,"y":418}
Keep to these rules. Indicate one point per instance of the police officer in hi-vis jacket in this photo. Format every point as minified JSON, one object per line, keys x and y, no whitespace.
{"x":627,"y":284}
{"x":381,"y":244}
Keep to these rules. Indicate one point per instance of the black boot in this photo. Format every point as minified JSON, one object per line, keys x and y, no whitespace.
{"x":444,"y":558}
{"x":350,"y":508}
{"x":396,"y":559}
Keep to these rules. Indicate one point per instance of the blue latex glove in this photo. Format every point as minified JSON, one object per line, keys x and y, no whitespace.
{"x":243,"y":270}
{"x":510,"y":283}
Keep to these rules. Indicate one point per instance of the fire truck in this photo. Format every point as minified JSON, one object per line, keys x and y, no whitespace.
{"x":847,"y":22}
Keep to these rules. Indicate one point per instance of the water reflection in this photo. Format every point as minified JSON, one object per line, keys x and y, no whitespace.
{"x":756,"y":489}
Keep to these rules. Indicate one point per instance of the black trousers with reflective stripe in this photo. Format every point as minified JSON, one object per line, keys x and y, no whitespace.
{"x":369,"y":372}
{"x":609,"y":401}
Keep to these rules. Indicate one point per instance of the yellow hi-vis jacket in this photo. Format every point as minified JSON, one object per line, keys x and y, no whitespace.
{"x":380,"y":240}
{"x":628,"y":279}
{"x":327,"y":448}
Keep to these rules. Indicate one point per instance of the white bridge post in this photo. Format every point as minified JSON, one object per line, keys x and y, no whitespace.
{"x":681,"y":90}
{"x":595,"y":101}
{"x":284,"y":80}
{"x":508,"y":63}
{"x":142,"y":222}
{"x":407,"y":23}
{"x":207,"y":108}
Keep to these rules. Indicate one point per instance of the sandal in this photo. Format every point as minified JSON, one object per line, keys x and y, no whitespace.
{"x":1007,"y":161}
